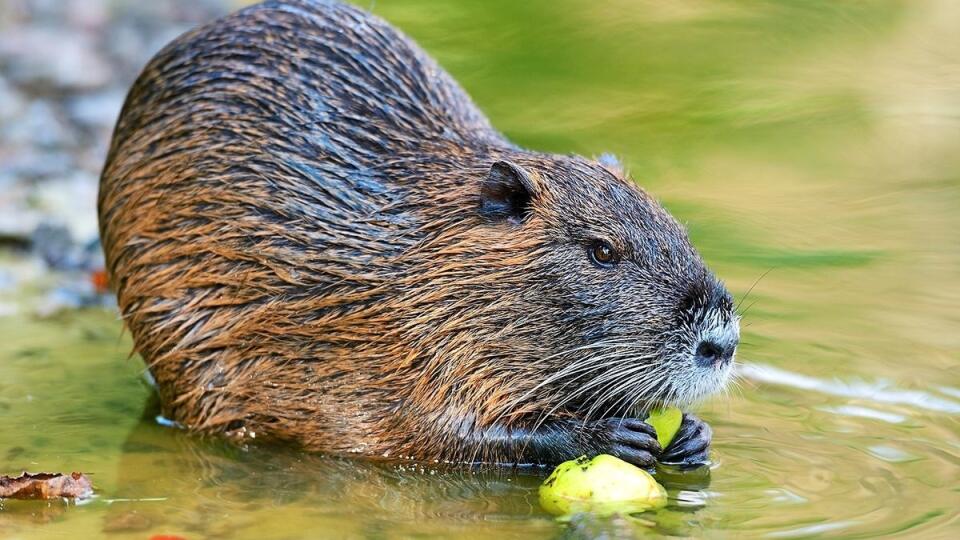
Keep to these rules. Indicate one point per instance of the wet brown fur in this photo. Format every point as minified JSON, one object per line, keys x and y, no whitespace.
{"x":289,"y":212}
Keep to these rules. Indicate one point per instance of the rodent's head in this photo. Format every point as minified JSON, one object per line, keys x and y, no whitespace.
{"x":641,"y":320}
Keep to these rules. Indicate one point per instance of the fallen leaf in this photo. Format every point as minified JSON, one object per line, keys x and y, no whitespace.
{"x":45,"y":486}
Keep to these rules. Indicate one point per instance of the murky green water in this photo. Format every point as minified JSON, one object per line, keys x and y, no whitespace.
{"x":814,"y":143}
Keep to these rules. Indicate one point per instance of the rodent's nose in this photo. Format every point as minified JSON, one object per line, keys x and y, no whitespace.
{"x":710,"y":353}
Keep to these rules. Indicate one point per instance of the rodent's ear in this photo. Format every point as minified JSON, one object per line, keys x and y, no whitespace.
{"x":506,"y":192}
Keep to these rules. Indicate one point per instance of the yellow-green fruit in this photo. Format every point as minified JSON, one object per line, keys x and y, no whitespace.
{"x":604,"y":485}
{"x":667,"y":422}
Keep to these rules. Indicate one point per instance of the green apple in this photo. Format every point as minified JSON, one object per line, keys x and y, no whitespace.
{"x":667,"y":422}
{"x":604,"y":485}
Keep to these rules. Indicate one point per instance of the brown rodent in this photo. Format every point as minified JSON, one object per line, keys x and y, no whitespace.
{"x":315,"y":236}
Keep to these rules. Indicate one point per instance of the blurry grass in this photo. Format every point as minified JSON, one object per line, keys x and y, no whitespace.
{"x":639,"y":78}
{"x":776,"y":258}
{"x":721,"y":241}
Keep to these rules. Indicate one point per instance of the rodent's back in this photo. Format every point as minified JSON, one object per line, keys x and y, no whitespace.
{"x":265,"y":103}
{"x":302,"y":68}
{"x":266,"y":174}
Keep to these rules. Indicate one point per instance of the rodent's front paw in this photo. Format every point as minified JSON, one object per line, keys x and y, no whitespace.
{"x":629,"y":439}
{"x":691,"y":445}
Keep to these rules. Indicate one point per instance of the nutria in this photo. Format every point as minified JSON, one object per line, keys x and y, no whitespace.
{"x":315,"y":236}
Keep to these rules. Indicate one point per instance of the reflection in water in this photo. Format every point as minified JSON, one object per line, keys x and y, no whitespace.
{"x":879,"y":392}
{"x":211,"y":487}
{"x":865,"y":412}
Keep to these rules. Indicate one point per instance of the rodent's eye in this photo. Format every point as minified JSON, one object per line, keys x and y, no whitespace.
{"x":602,"y":254}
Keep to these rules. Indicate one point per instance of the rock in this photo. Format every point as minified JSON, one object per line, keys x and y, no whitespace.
{"x":70,"y":201}
{"x":38,"y":126}
{"x":27,"y":163}
{"x":17,"y":221}
{"x":56,"y":246}
{"x":57,"y":56}
{"x":11,"y":103}
{"x":98,"y":110}
{"x":87,"y":14}
{"x":16,"y":226}
{"x":61,"y":299}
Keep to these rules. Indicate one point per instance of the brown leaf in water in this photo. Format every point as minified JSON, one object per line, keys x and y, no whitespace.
{"x":45,"y":486}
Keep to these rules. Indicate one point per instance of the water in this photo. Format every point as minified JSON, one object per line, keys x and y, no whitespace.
{"x":813,"y":149}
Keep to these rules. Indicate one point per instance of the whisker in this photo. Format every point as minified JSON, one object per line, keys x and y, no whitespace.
{"x":602,"y":379}
{"x":622,"y":346}
{"x":737,"y":307}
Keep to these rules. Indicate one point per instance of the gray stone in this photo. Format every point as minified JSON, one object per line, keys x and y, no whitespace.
{"x":66,"y":59}
{"x":38,"y":126}
{"x":98,"y":110}
{"x":11,"y":103}
{"x":70,"y":201}
{"x":17,"y":222}
{"x":24,"y":163}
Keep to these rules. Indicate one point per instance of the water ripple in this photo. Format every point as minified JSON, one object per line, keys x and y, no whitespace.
{"x":879,"y":391}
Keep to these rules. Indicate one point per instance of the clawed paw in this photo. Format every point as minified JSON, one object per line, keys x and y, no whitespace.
{"x":691,"y":445}
{"x":629,"y":439}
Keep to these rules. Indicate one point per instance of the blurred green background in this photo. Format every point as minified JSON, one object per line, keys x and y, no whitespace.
{"x":814,"y":144}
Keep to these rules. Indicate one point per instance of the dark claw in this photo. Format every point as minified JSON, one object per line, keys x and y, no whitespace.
{"x":691,"y":446}
{"x":631,"y":440}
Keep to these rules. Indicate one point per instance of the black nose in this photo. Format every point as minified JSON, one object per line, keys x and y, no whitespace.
{"x":711,"y":353}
